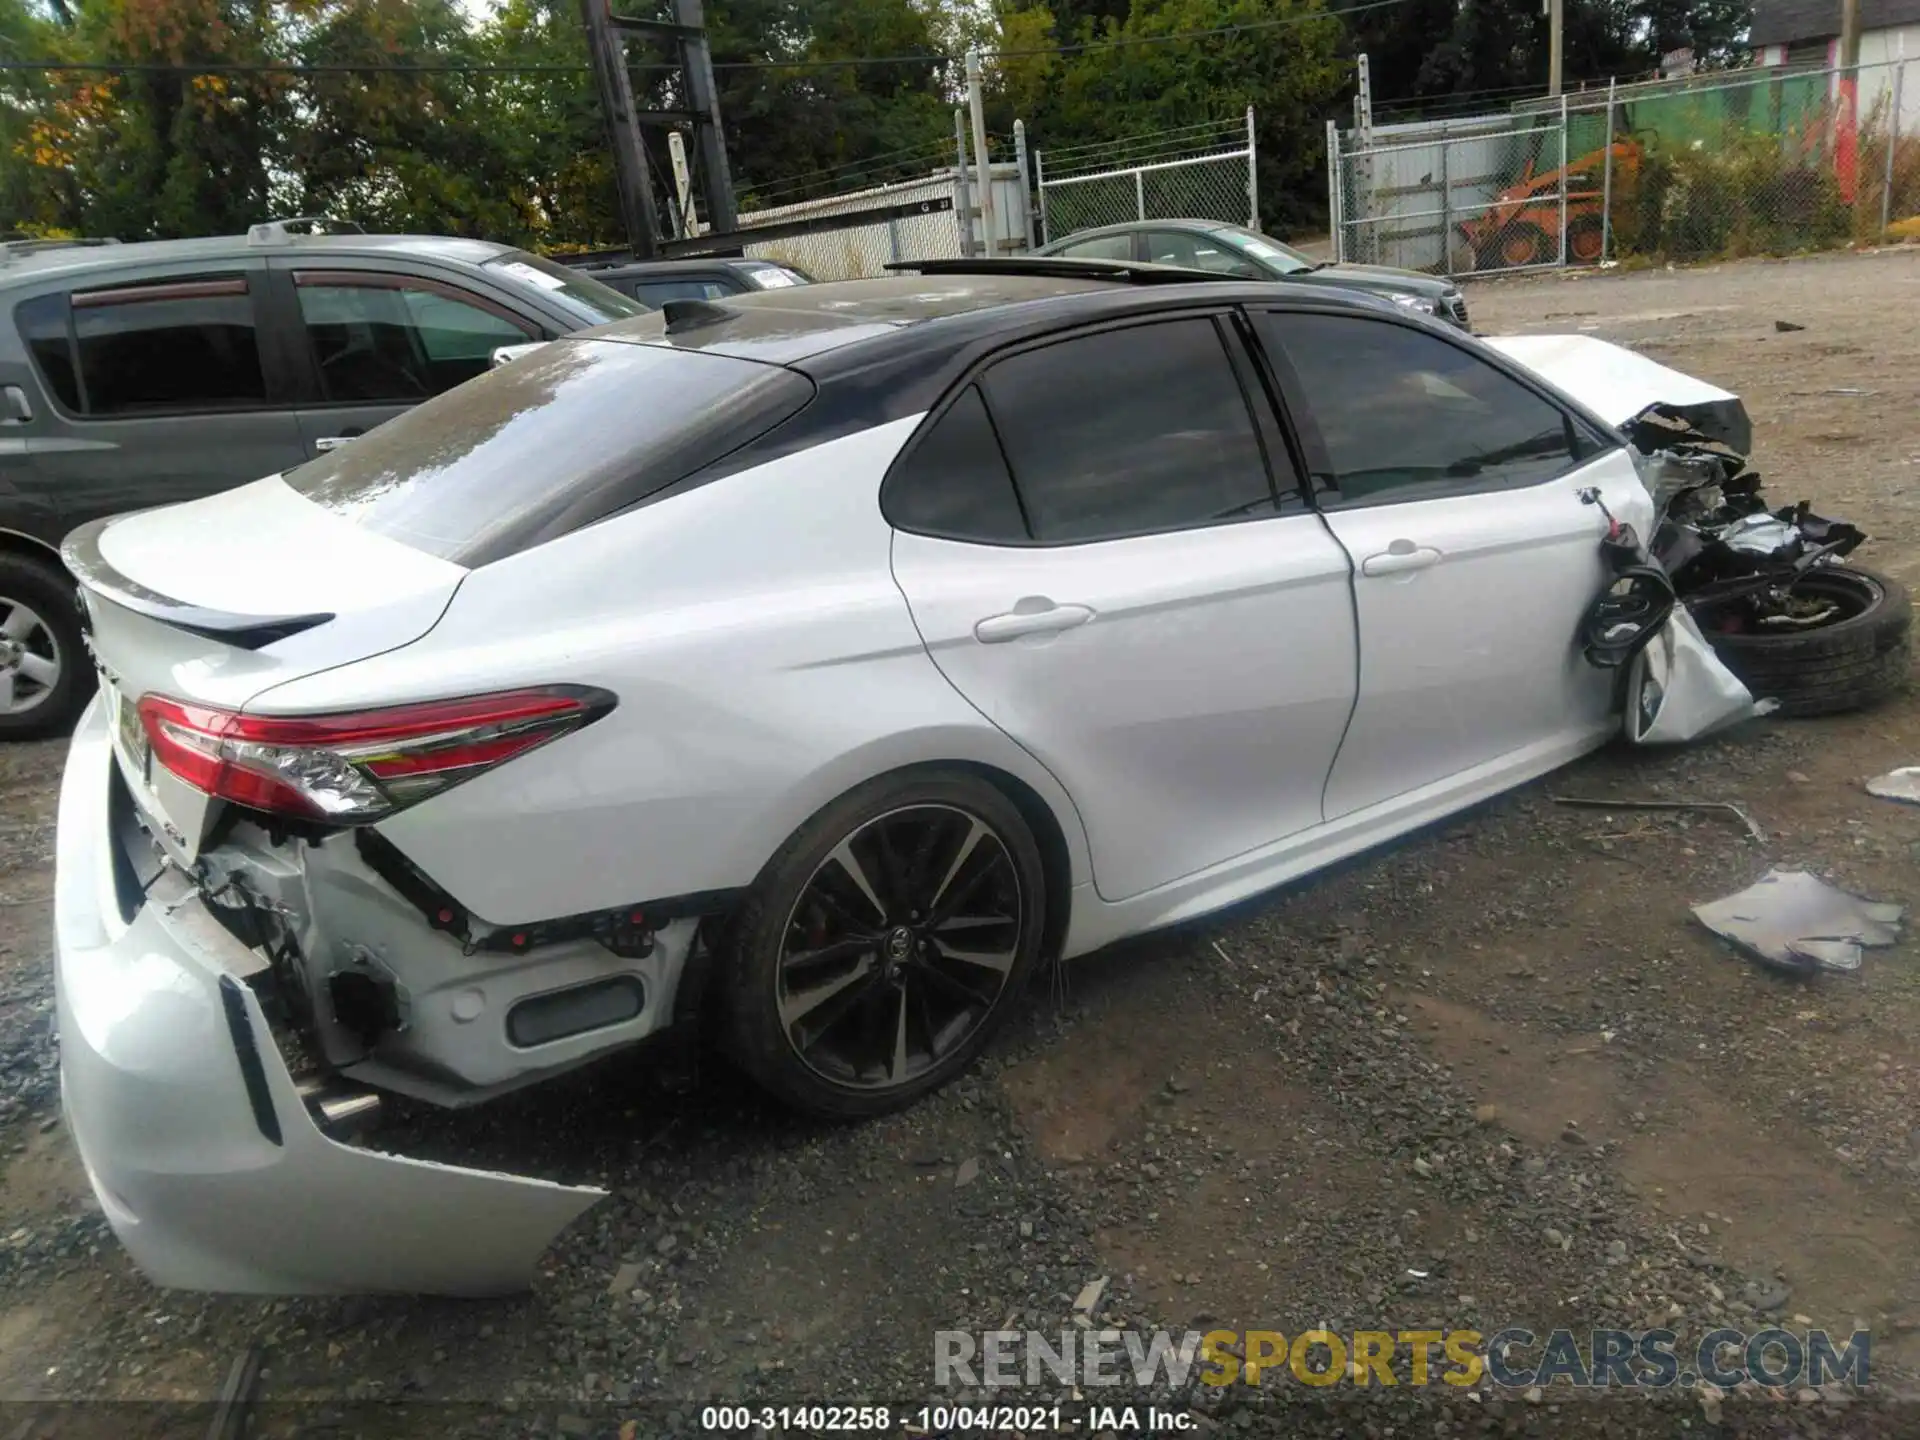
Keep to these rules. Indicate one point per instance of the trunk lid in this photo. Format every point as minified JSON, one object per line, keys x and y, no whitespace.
{"x":216,"y":600}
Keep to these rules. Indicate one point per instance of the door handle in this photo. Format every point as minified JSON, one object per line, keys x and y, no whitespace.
{"x":334,"y":442}
{"x":1044,"y":618}
{"x":18,"y":409}
{"x":1400,"y":557}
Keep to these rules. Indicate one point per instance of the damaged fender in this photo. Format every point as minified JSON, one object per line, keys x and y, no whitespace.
{"x":1678,"y":690}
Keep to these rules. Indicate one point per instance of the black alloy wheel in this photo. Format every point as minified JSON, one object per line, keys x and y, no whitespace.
{"x":879,"y":951}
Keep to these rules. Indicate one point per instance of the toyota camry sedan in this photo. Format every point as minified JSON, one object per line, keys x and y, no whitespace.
{"x":810,"y":665}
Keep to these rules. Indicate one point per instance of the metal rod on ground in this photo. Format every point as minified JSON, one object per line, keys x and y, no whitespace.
{"x":1563,"y":173}
{"x":1253,"y":177}
{"x":1724,"y":806}
{"x":1027,"y":242}
{"x":976,"y":104}
{"x":1606,"y":183}
{"x":236,"y":1397}
{"x":1893,"y":144}
{"x":962,"y":191}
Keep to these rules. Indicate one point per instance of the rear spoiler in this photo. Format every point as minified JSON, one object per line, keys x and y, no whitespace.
{"x":81,"y":552}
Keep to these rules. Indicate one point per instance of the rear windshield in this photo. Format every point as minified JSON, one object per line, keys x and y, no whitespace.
{"x":585,"y":296}
{"x":557,"y":439}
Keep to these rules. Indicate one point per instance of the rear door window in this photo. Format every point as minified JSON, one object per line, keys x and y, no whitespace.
{"x":955,"y":483}
{"x":170,"y":347}
{"x":45,"y":329}
{"x":1129,"y":432}
{"x":392,"y":339}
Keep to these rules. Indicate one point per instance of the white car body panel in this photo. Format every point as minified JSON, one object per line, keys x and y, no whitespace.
{"x":1443,"y":688}
{"x":1237,"y":707}
{"x":295,"y":559}
{"x":198,"y":1194}
{"x":1193,"y":714}
{"x":763,"y":670}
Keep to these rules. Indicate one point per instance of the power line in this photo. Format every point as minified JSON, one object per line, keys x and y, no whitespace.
{"x":1285,"y":22}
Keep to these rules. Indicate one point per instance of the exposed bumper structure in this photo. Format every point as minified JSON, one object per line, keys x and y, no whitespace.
{"x":201,"y":1150}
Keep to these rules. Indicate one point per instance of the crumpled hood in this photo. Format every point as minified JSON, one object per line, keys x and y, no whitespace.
{"x":1619,"y":384}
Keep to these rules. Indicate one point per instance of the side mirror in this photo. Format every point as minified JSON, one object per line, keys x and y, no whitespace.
{"x":506,"y":354}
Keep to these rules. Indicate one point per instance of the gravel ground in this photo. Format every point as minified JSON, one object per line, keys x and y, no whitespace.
{"x":1493,"y":1077}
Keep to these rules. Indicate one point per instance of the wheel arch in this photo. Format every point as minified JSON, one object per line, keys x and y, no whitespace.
{"x":18,"y":542}
{"x":1061,"y":863}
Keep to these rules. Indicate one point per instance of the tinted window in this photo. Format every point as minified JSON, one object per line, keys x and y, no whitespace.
{"x":181,"y":346}
{"x":955,"y":483}
{"x":587,"y":297}
{"x":551,"y":442}
{"x":775,"y":277}
{"x":1107,"y":247}
{"x":657,"y":292}
{"x":376,"y":343}
{"x":43,"y":326}
{"x":1129,"y":431}
{"x":1406,"y":416}
{"x":1198,"y":252}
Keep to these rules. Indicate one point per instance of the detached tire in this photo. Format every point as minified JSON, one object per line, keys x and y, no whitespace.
{"x":884,"y":944}
{"x":45,"y":677}
{"x":1857,"y":661}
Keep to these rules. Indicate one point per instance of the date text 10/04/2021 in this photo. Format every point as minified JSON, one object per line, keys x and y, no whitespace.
{"x":944,"y":1419}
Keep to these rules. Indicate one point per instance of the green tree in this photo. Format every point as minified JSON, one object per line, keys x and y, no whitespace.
{"x":1141,"y":81}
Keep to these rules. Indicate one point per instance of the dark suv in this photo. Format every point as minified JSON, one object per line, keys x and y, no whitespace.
{"x":143,"y":374}
{"x":654,"y":282}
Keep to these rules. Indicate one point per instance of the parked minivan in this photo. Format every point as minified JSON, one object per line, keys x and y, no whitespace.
{"x":139,"y":375}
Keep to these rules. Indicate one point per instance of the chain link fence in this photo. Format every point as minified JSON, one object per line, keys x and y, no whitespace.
{"x":857,"y":233}
{"x":1198,"y":172}
{"x":1765,"y":162}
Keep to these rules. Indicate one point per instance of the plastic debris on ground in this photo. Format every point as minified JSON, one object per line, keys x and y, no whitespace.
{"x":1797,"y":922}
{"x":1901,"y":784}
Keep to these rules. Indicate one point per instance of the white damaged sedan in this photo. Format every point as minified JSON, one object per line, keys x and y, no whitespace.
{"x":811,"y":663}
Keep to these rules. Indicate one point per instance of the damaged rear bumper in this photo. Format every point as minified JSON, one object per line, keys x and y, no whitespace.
{"x":200,"y":1148}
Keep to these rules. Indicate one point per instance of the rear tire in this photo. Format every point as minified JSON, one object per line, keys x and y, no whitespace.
{"x":45,"y":677}
{"x":1855,"y":662}
{"x":843,"y":996}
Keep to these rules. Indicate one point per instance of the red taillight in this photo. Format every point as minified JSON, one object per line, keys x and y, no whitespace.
{"x":356,"y":767}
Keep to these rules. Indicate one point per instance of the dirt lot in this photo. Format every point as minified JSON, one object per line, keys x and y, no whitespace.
{"x":1497,"y":1076}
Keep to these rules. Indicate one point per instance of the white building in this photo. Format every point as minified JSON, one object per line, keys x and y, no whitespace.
{"x":1805,"y":35}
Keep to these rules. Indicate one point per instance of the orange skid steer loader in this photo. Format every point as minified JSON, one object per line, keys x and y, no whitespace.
{"x":1522,"y":226}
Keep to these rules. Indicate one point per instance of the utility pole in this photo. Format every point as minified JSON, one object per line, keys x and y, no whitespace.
{"x":1557,"y":42}
{"x":686,"y":33}
{"x":976,"y":104}
{"x":631,"y":176}
{"x":1846,"y":150}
